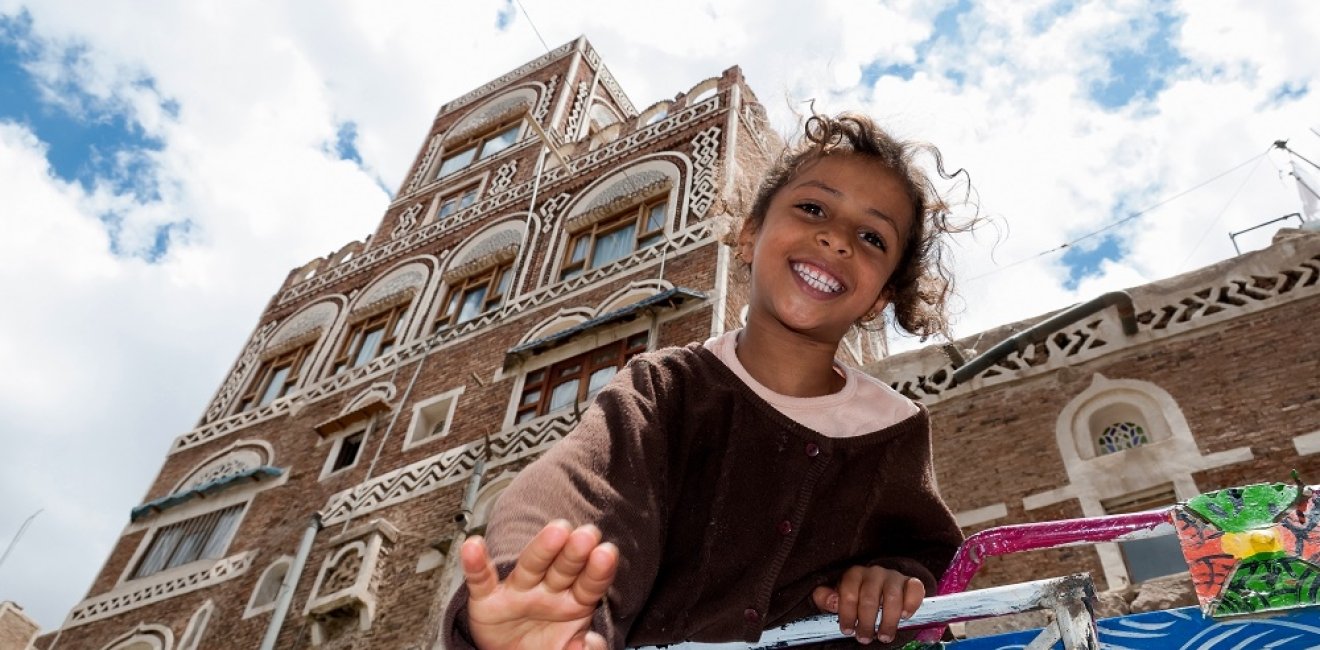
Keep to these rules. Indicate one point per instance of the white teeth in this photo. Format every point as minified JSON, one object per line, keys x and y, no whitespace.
{"x":818,"y":280}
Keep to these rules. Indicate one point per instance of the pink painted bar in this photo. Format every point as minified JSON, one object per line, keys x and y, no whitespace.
{"x":1003,"y":540}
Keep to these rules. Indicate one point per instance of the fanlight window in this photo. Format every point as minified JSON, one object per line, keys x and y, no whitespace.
{"x":1121,"y":435}
{"x":615,"y":238}
{"x":481,"y":148}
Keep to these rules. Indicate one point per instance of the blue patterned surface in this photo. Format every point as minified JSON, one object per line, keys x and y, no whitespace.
{"x":1183,"y":629}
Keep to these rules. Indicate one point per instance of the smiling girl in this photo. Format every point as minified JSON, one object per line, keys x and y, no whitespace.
{"x":750,"y":480}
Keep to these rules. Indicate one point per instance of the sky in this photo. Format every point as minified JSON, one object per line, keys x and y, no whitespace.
{"x":163,"y":165}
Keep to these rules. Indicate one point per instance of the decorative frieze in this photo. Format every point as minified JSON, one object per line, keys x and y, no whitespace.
{"x":543,"y":106}
{"x":446,"y":468}
{"x":349,"y":577}
{"x":1094,"y":337}
{"x":419,"y":174}
{"x":699,"y":235}
{"x":246,"y":363}
{"x":503,"y":177}
{"x":610,"y":153}
{"x":140,"y":593}
{"x":578,"y":111}
{"x":705,"y":155}
{"x":407,"y":221}
{"x":505,"y":79}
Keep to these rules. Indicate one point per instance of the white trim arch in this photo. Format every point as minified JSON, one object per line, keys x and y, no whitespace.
{"x":489,"y":113}
{"x":487,"y":496}
{"x":266,"y":591}
{"x":500,"y":241}
{"x":635,"y":292}
{"x":144,"y":637}
{"x":558,"y":322}
{"x":615,"y":191}
{"x":196,"y":629}
{"x":602,"y":114}
{"x":656,"y":112}
{"x":702,"y":91}
{"x":407,"y":282}
{"x":240,"y":456}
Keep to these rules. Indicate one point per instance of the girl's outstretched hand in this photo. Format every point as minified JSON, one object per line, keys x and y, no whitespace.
{"x":549,"y":598}
{"x":865,"y":591}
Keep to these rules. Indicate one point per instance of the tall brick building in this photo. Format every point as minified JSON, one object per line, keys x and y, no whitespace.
{"x":547,"y":231}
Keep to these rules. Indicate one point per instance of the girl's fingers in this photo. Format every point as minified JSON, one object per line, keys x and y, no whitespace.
{"x":848,"y":588}
{"x":825,"y":599}
{"x":868,"y":603}
{"x":478,"y":570}
{"x":892,"y":594}
{"x":586,"y":640}
{"x":596,"y":578}
{"x":913,"y":593}
{"x":568,"y":565}
{"x":538,"y":555}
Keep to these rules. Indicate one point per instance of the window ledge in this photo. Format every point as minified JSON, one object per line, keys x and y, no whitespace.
{"x":141,"y":592}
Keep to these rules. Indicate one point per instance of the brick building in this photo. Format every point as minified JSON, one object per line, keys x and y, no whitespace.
{"x":547,"y":231}
{"x":1217,"y":385}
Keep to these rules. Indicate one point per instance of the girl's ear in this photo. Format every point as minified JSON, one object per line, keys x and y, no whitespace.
{"x":743,"y":249}
{"x":880,"y":304}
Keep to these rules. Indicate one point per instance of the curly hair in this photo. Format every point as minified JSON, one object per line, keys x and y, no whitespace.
{"x":922,"y":282}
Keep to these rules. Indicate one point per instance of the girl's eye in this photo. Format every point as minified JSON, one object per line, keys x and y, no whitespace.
{"x":875,"y":240}
{"x":811,"y":209}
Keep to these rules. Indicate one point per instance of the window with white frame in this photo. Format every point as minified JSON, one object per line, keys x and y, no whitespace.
{"x":575,"y":380}
{"x":432,"y":417}
{"x":276,"y":377}
{"x":616,"y":237}
{"x":474,"y":295}
{"x":267,"y":590}
{"x":457,"y":200}
{"x":346,"y":450}
{"x":1118,"y":426}
{"x":481,"y":147}
{"x":370,"y":338}
{"x":205,"y":537}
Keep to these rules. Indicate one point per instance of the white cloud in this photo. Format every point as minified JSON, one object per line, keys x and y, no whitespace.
{"x":112,"y":367}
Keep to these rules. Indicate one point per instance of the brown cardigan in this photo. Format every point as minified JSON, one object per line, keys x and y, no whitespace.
{"x":726,"y":512}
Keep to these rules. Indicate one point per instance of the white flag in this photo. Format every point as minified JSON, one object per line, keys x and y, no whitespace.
{"x":1309,"y":189}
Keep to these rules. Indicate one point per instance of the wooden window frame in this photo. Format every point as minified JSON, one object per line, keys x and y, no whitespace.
{"x":478,"y":146}
{"x":350,"y":350}
{"x":639,"y":214}
{"x":459,"y":199}
{"x":295,"y":360}
{"x":491,"y":279}
{"x":542,"y":381}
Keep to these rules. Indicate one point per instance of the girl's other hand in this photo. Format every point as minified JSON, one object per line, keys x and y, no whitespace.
{"x":549,"y":598}
{"x":864,"y":592}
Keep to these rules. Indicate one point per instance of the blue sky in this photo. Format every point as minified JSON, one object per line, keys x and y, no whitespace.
{"x":166,"y":168}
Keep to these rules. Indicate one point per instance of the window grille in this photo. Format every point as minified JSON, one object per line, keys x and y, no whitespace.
{"x":200,"y":538}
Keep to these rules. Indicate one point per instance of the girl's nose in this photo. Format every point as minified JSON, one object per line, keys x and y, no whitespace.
{"x":833,"y":241}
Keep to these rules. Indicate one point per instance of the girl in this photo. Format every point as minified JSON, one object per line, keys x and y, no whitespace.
{"x":751,"y":480}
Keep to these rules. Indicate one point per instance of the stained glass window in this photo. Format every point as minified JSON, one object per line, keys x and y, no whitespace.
{"x":1121,"y":435}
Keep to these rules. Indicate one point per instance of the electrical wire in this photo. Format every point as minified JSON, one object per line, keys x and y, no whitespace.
{"x":1220,"y":215}
{"x":1115,"y":224}
{"x":533,"y":24}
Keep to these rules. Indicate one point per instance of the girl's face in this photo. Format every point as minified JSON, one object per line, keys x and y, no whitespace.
{"x":830,"y":239}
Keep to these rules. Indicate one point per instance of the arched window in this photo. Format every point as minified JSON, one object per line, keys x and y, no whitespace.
{"x":267,"y":590}
{"x":615,"y":237}
{"x":575,"y":380}
{"x":485,"y":131}
{"x":480,"y":275}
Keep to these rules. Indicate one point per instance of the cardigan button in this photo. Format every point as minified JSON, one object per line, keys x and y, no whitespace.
{"x":813,"y":450}
{"x":751,"y":615}
{"x":785,"y":527}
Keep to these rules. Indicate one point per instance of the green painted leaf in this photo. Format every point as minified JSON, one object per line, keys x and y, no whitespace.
{"x":1236,"y":510}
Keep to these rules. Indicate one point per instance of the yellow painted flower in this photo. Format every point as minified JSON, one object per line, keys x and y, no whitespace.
{"x":1252,"y":542}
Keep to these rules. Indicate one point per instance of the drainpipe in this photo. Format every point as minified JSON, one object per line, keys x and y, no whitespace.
{"x":1127,"y":315}
{"x":290,"y":583}
{"x":464,"y":516}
